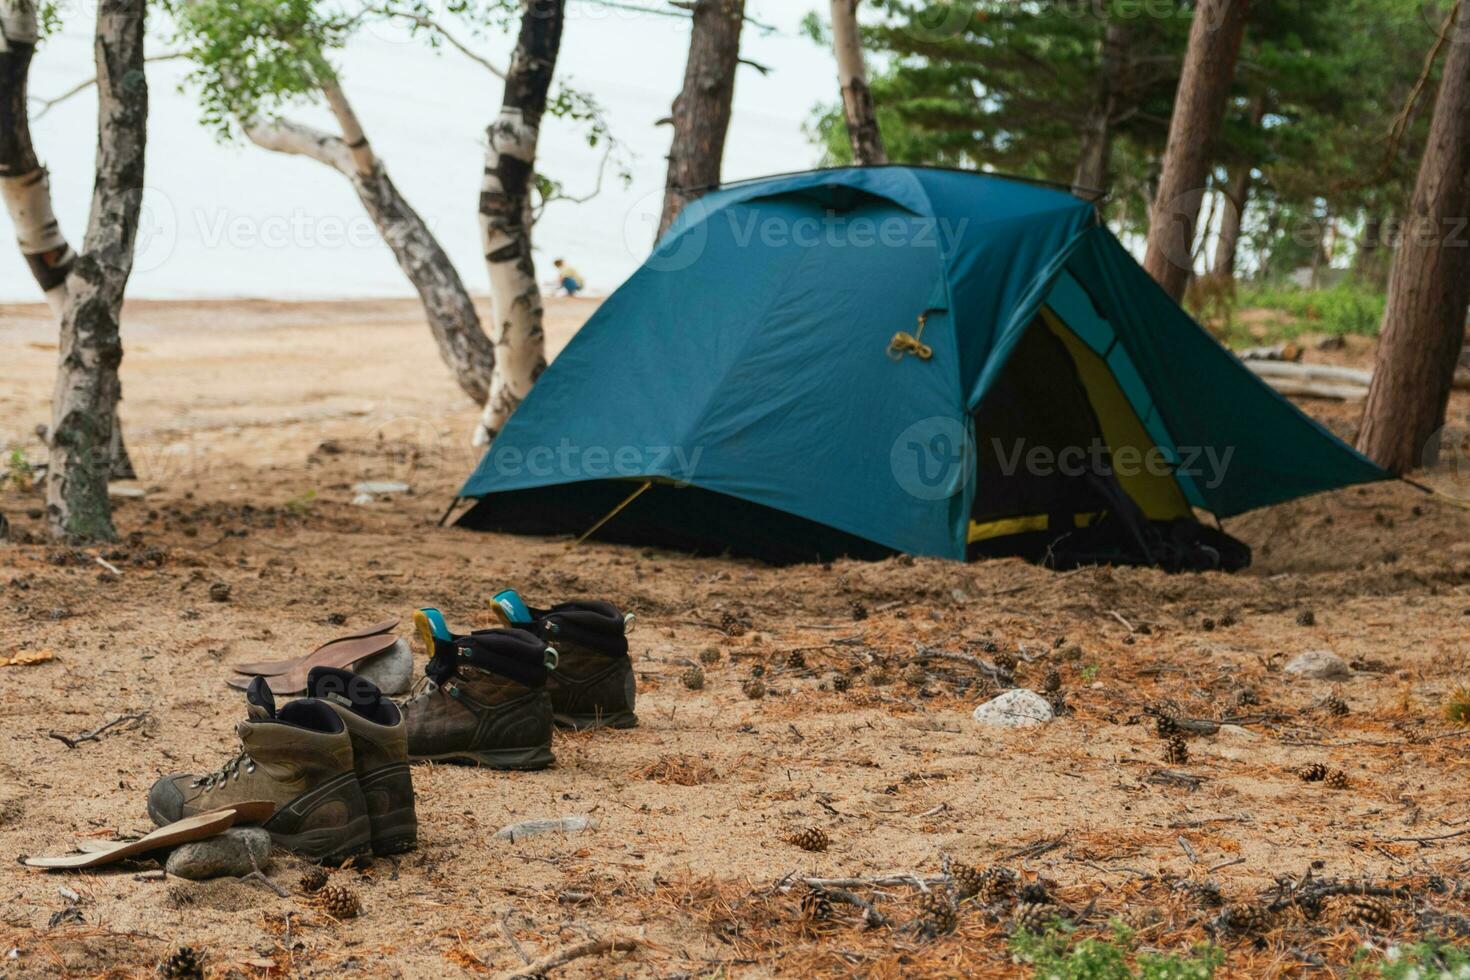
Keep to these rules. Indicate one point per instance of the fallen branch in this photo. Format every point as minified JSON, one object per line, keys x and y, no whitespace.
{"x":882,"y":881}
{"x":95,"y":735}
{"x":988,"y":669}
{"x":872,"y":918}
{"x":593,"y":947}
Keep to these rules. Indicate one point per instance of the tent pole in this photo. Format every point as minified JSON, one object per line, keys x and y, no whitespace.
{"x":449,"y":510}
{"x":613,"y":513}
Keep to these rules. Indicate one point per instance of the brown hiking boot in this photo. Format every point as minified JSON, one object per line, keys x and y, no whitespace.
{"x":485,"y":702}
{"x":379,"y":753}
{"x":299,"y":758}
{"x":593,"y":684}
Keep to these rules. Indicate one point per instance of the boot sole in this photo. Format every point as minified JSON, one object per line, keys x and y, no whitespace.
{"x":325,"y":845}
{"x":514,"y":760}
{"x":587,"y":723}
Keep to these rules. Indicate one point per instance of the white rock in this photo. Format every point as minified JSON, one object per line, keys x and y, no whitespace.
{"x":1015,"y":709}
{"x":533,"y":828}
{"x":1322,"y":665}
{"x":382,"y":487}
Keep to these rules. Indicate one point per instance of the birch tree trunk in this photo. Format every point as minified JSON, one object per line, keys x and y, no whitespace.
{"x":852,"y":75}
{"x":84,"y":404}
{"x":1199,"y":108}
{"x":447,"y":305}
{"x":26,"y":186}
{"x":505,"y":215}
{"x":1429,"y":289}
{"x":702,"y":110}
{"x":1094,"y":161}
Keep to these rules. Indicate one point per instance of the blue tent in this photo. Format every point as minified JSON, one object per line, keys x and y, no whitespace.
{"x":894,"y":359}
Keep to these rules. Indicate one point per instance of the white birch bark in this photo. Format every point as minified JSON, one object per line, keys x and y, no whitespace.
{"x":505,"y":233}
{"x":506,"y":218}
{"x":84,"y":404}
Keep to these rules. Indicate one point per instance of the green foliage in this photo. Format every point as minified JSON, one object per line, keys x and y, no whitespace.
{"x":1432,"y":959}
{"x":19,"y":471}
{"x":251,"y":57}
{"x":301,"y":504}
{"x":1059,"y":955}
{"x":1457,"y":708}
{"x":1348,"y":308}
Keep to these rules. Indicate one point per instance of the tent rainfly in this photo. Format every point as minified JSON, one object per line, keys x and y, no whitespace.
{"x":862,"y":362}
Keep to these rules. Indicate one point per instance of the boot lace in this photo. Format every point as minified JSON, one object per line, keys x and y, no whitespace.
{"x":230,"y":770}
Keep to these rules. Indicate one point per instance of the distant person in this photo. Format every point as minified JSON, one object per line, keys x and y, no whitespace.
{"x":571,"y":279}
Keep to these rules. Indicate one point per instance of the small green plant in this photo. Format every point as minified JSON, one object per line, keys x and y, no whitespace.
{"x":1457,"y":708}
{"x":1059,"y":955}
{"x":1090,"y":672}
{"x":300,"y":505}
{"x":19,"y":471}
{"x":1432,"y":959}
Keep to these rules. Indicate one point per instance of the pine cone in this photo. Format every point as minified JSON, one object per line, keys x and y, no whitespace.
{"x":1007,"y":662}
{"x":915,"y":676}
{"x":1032,"y":917}
{"x":880,"y":677}
{"x":184,"y":964}
{"x":816,"y":905}
{"x":1165,"y":726}
{"x":1176,"y":750}
{"x":693,"y":678}
{"x":936,"y":914}
{"x":313,"y":880}
{"x":1306,"y":618}
{"x":811,"y":839}
{"x":859,"y":611}
{"x":1034,"y":893}
{"x":733,"y":625}
{"x":796,"y":660}
{"x":754,"y":688}
{"x":1333,"y":705}
{"x":1363,"y":911}
{"x":709,"y":655}
{"x":1052,"y":682}
{"x":841,"y":682}
{"x":1058,"y":702}
{"x":339,"y":902}
{"x":1245,"y":697}
{"x":1337,"y":779}
{"x":1250,"y":920}
{"x":988,"y":886}
{"x":1205,"y":894}
{"x":1314,"y":773}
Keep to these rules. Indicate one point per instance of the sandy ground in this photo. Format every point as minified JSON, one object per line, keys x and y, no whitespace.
{"x":250,"y":422}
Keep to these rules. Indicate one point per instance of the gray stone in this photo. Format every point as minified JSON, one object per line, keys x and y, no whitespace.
{"x":1320,"y":665}
{"x":1015,"y":709}
{"x":227,"y":855}
{"x":380,"y":487}
{"x":390,"y":671}
{"x":533,"y":828}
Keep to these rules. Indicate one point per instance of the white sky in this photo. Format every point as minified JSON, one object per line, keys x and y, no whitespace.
{"x":236,"y":220}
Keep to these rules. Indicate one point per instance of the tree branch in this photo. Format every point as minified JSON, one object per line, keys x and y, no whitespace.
{"x":46,"y":105}
{"x":429,"y":24}
{"x":285,"y":136}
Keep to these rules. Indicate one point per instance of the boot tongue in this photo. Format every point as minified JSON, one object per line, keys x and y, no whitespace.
{"x":262,"y":704}
{"x":511,"y":609}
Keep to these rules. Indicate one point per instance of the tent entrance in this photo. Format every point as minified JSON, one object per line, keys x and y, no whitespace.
{"x":1067,"y":472}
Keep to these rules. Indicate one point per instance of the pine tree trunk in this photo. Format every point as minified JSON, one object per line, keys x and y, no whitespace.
{"x":505,"y":215}
{"x":84,"y":404}
{"x":1094,"y":161}
{"x":1199,"y":108}
{"x":451,"y":314}
{"x":1237,"y":197}
{"x":852,"y":75}
{"x":1429,"y":290}
{"x":702,"y":110}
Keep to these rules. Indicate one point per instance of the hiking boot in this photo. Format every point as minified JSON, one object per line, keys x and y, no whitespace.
{"x":300,"y":759}
{"x":485,"y":703}
{"x":379,"y":753}
{"x":593,"y":684}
